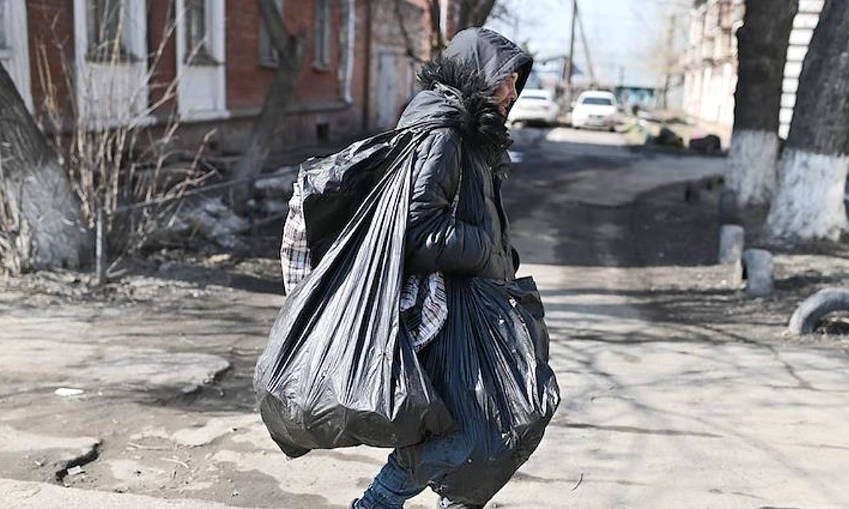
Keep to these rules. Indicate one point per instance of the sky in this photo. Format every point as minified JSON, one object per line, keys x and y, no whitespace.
{"x":625,"y":37}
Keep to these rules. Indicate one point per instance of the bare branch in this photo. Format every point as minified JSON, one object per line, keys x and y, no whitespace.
{"x":437,"y":39}
{"x":408,"y":40}
{"x":474,"y":13}
{"x":286,"y":43}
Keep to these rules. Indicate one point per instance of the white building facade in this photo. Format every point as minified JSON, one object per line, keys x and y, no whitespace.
{"x":711,"y":60}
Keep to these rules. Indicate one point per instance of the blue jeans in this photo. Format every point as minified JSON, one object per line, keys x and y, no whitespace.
{"x":393,"y":486}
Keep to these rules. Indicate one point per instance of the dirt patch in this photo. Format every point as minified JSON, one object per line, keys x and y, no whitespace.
{"x":676,"y":240}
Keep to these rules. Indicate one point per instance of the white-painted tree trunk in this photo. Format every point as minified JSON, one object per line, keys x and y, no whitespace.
{"x":752,"y":161}
{"x":809,"y":204}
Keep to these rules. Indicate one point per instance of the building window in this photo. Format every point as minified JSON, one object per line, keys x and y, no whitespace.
{"x":322,"y":35}
{"x":105,"y":23}
{"x":267,"y":52}
{"x":197,"y":33}
{"x":4,"y":40}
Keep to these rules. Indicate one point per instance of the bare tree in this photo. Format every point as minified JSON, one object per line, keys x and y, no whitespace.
{"x":437,"y":39}
{"x":470,"y":13}
{"x":814,"y":164}
{"x":474,"y":13}
{"x":763,"y":41}
{"x":41,"y":225}
{"x":410,"y":26}
{"x":290,"y":50}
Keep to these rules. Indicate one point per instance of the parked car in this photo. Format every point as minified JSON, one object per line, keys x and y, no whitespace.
{"x":595,"y":109}
{"x":535,"y":105}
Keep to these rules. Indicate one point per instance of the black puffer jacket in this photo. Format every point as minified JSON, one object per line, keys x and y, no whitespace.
{"x":471,"y":157}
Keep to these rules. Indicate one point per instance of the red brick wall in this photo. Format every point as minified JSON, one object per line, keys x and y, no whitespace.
{"x":248,"y":80}
{"x":161,"y":46}
{"x":51,"y":50}
{"x":51,"y":33}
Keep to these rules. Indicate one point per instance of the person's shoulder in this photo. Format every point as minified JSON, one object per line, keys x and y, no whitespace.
{"x":444,"y":138}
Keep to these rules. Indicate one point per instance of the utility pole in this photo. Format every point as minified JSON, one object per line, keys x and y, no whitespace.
{"x":670,"y":61}
{"x":590,"y":67}
{"x":570,"y":65}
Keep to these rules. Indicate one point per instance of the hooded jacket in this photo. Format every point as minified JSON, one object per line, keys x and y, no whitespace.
{"x":469,"y":158}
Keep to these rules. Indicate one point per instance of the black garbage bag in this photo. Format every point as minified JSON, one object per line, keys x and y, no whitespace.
{"x":490,"y":366}
{"x":339,"y":368}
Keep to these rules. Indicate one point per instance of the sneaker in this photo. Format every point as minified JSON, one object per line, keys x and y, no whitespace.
{"x":444,"y":503}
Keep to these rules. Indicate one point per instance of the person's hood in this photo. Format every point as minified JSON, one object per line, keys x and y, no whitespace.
{"x":458,"y":86}
{"x":495,"y":56}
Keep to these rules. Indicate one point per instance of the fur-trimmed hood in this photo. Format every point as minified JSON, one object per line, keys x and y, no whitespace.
{"x":457,"y":87}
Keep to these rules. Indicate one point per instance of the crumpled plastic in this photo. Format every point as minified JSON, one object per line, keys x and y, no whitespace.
{"x":339,"y":368}
{"x":490,"y":366}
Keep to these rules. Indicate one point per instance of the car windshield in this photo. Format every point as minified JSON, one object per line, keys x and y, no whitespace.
{"x":597,"y":101}
{"x":535,"y":97}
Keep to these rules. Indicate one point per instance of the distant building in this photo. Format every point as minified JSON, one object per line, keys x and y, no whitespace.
{"x":711,"y":59}
{"x":217,"y":59}
{"x":641,"y":97}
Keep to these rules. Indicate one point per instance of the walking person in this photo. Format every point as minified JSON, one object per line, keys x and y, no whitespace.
{"x":457,"y":224}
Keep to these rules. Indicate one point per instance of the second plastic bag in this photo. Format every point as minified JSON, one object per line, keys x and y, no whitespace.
{"x":490,"y":365}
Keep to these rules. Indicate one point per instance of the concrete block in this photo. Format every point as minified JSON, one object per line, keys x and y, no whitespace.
{"x":760,"y":273}
{"x":732,"y":239}
{"x":729,"y":210}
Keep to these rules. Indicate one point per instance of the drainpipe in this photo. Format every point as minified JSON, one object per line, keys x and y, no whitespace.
{"x":367,"y":77}
{"x":351,"y":51}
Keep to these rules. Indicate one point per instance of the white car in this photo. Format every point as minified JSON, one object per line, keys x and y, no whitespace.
{"x":535,"y":105}
{"x":595,"y":109}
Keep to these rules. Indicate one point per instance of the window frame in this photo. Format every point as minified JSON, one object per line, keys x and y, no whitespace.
{"x":268,"y":56}
{"x":198,"y":52}
{"x":4,"y":28}
{"x":15,"y":53}
{"x":322,"y":41}
{"x":98,"y":46}
{"x":211,"y":78}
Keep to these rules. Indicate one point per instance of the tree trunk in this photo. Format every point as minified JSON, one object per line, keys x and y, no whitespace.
{"x":474,"y":13}
{"x":437,"y":41}
{"x":41,"y":225}
{"x":270,"y":120}
{"x":812,"y":173}
{"x":763,"y":41}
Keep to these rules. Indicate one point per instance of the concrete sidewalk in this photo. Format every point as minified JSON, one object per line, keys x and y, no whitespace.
{"x":33,"y":495}
{"x":674,"y":416}
{"x":654,"y":415}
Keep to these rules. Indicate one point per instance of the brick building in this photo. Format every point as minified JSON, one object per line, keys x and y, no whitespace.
{"x":209,"y":63}
{"x":711,"y":59}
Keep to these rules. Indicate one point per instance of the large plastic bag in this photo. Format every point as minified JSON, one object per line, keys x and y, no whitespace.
{"x":490,"y":366}
{"x":339,"y":369}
